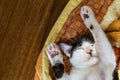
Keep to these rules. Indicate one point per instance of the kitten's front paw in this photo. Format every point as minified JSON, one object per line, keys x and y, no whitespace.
{"x":87,"y":16}
{"x":56,"y":59}
{"x":54,"y":54}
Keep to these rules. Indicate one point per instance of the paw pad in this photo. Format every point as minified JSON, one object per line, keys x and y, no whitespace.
{"x":54,"y":54}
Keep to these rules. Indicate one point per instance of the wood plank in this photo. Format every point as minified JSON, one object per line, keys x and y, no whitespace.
{"x":24,"y":27}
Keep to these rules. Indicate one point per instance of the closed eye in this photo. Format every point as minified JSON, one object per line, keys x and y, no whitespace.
{"x":80,"y":48}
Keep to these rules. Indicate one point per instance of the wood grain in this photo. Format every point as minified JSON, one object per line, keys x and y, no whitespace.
{"x":24,"y":27}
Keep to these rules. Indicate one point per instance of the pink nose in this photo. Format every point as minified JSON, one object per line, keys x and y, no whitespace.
{"x":89,"y":51}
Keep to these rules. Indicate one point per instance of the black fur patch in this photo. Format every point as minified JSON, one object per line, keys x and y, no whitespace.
{"x":58,"y":70}
{"x":85,"y":16}
{"x":91,"y":27}
{"x":115,"y":75}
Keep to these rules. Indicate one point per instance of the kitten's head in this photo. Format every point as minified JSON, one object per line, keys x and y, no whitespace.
{"x":82,"y":53}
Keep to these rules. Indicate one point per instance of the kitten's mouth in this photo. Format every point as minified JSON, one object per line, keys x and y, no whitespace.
{"x":91,"y":56}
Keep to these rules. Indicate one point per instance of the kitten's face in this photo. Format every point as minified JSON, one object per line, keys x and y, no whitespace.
{"x":82,"y":53}
{"x":84,"y":56}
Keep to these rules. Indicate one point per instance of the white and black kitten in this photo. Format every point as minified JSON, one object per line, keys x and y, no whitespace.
{"x":92,"y":58}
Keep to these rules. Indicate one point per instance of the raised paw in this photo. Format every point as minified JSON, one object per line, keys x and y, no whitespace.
{"x":87,"y":16}
{"x":54,"y":54}
{"x":86,"y":12}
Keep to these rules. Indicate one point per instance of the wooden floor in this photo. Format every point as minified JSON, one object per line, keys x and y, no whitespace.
{"x":24,"y":27}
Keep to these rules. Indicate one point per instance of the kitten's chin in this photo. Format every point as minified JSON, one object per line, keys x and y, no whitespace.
{"x":93,"y":61}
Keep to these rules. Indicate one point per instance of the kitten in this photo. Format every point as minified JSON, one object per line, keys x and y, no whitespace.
{"x":92,"y":58}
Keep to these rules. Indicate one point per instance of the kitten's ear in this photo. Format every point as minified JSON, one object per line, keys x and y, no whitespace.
{"x":66,"y":48}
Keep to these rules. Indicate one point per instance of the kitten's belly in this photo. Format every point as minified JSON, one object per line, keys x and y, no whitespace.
{"x":96,"y":76}
{"x":91,"y":73}
{"x":85,"y":77}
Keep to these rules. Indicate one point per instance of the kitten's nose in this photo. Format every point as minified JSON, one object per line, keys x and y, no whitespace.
{"x":89,"y":51}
